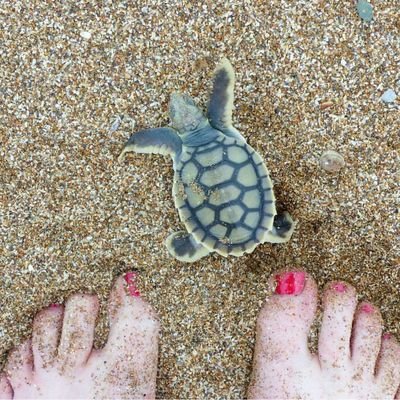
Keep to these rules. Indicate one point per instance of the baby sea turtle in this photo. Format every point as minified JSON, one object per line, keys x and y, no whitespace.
{"x":221,"y":189}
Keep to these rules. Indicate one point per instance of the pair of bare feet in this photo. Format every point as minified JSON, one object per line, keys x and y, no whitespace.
{"x":354,"y":360}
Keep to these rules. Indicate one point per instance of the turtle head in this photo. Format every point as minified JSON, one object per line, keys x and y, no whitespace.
{"x":185,"y":115}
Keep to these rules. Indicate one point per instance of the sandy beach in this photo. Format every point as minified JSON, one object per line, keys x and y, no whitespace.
{"x":309,"y":78}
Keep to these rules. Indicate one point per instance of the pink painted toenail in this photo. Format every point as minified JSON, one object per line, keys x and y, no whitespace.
{"x":290,"y":282}
{"x":387,"y":336}
{"x":367,"y":308}
{"x":339,"y":287}
{"x":130,"y":278}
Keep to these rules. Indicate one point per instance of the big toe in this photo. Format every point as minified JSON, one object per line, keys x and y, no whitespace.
{"x":132,"y":347}
{"x":282,"y":330}
{"x":284,"y":321}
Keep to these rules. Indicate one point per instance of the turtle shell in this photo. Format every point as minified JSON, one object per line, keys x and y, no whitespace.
{"x":224,"y":195}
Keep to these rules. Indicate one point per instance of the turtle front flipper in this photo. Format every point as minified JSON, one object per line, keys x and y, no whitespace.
{"x":184,"y":247}
{"x":156,"y":140}
{"x":282,"y":229}
{"x":221,"y":100}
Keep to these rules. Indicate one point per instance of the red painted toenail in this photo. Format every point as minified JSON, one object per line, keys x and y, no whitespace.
{"x":387,"y":336}
{"x":130,"y":278}
{"x":290,"y":282}
{"x":339,"y":287}
{"x":55,"y":305}
{"x":367,"y":308}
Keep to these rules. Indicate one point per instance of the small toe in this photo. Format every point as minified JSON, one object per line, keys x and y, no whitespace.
{"x":46,"y":334}
{"x":132,"y":345}
{"x":366,"y":339}
{"x":6,"y":392}
{"x":19,"y":365}
{"x":282,"y":330}
{"x":334,"y":340}
{"x":77,"y":334}
{"x":388,"y":366}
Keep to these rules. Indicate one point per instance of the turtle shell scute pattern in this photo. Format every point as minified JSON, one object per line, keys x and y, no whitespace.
{"x":224,"y":195}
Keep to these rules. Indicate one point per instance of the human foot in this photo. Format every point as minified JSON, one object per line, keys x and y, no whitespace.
{"x":59,"y":362}
{"x":353,"y":362}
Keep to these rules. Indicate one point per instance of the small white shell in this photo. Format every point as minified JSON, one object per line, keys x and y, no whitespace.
{"x":331,"y":161}
{"x":86,"y":35}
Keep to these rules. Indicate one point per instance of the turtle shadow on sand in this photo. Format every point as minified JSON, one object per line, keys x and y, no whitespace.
{"x":222,"y":188}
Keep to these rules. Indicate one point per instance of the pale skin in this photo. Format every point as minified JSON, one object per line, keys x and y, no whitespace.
{"x":355,"y":359}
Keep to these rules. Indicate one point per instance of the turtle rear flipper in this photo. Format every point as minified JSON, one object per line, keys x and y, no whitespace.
{"x":157,"y":141}
{"x":184,"y":247}
{"x":221,"y":100}
{"x":282,"y":229}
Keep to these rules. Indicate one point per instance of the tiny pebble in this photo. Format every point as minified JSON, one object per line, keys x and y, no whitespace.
{"x":116,"y":124}
{"x":326,"y":104}
{"x":86,"y":35}
{"x":331,"y":161}
{"x":389,"y":96}
{"x":365,"y":10}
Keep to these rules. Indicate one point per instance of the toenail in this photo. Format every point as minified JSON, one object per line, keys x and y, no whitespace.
{"x":339,"y":287}
{"x":367,"y":308}
{"x":55,"y":305}
{"x":290,"y":282}
{"x":130,"y":278}
{"x":387,"y":336}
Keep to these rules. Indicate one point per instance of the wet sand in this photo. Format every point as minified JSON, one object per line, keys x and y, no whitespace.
{"x":72,"y":218}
